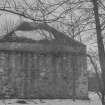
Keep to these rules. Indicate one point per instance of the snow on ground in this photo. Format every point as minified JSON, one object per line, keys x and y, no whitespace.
{"x":94,"y":100}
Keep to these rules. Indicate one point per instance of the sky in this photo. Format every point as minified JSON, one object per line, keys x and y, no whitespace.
{"x":10,"y":21}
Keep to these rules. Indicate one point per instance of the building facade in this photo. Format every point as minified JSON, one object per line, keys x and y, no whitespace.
{"x":44,"y":69}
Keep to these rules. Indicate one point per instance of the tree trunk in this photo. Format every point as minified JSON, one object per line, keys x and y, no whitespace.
{"x":100,"y":44}
{"x":96,"y":71}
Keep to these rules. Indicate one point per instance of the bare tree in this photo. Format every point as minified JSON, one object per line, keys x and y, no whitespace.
{"x":101,"y":50}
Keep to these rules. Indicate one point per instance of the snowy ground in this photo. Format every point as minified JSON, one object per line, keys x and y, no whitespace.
{"x":94,"y":100}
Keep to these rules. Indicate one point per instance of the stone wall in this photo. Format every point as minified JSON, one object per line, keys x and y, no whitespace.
{"x":82,"y":81}
{"x":49,"y":75}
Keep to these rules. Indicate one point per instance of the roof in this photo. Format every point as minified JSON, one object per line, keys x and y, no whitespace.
{"x":62,"y":43}
{"x":43,"y":46}
{"x":60,"y":37}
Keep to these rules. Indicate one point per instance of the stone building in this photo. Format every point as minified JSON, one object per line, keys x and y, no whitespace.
{"x":43,"y":69}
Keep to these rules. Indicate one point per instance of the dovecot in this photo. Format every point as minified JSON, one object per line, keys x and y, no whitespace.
{"x":43,"y":69}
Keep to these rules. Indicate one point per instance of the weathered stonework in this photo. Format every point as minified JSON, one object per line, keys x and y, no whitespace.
{"x":49,"y":74}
